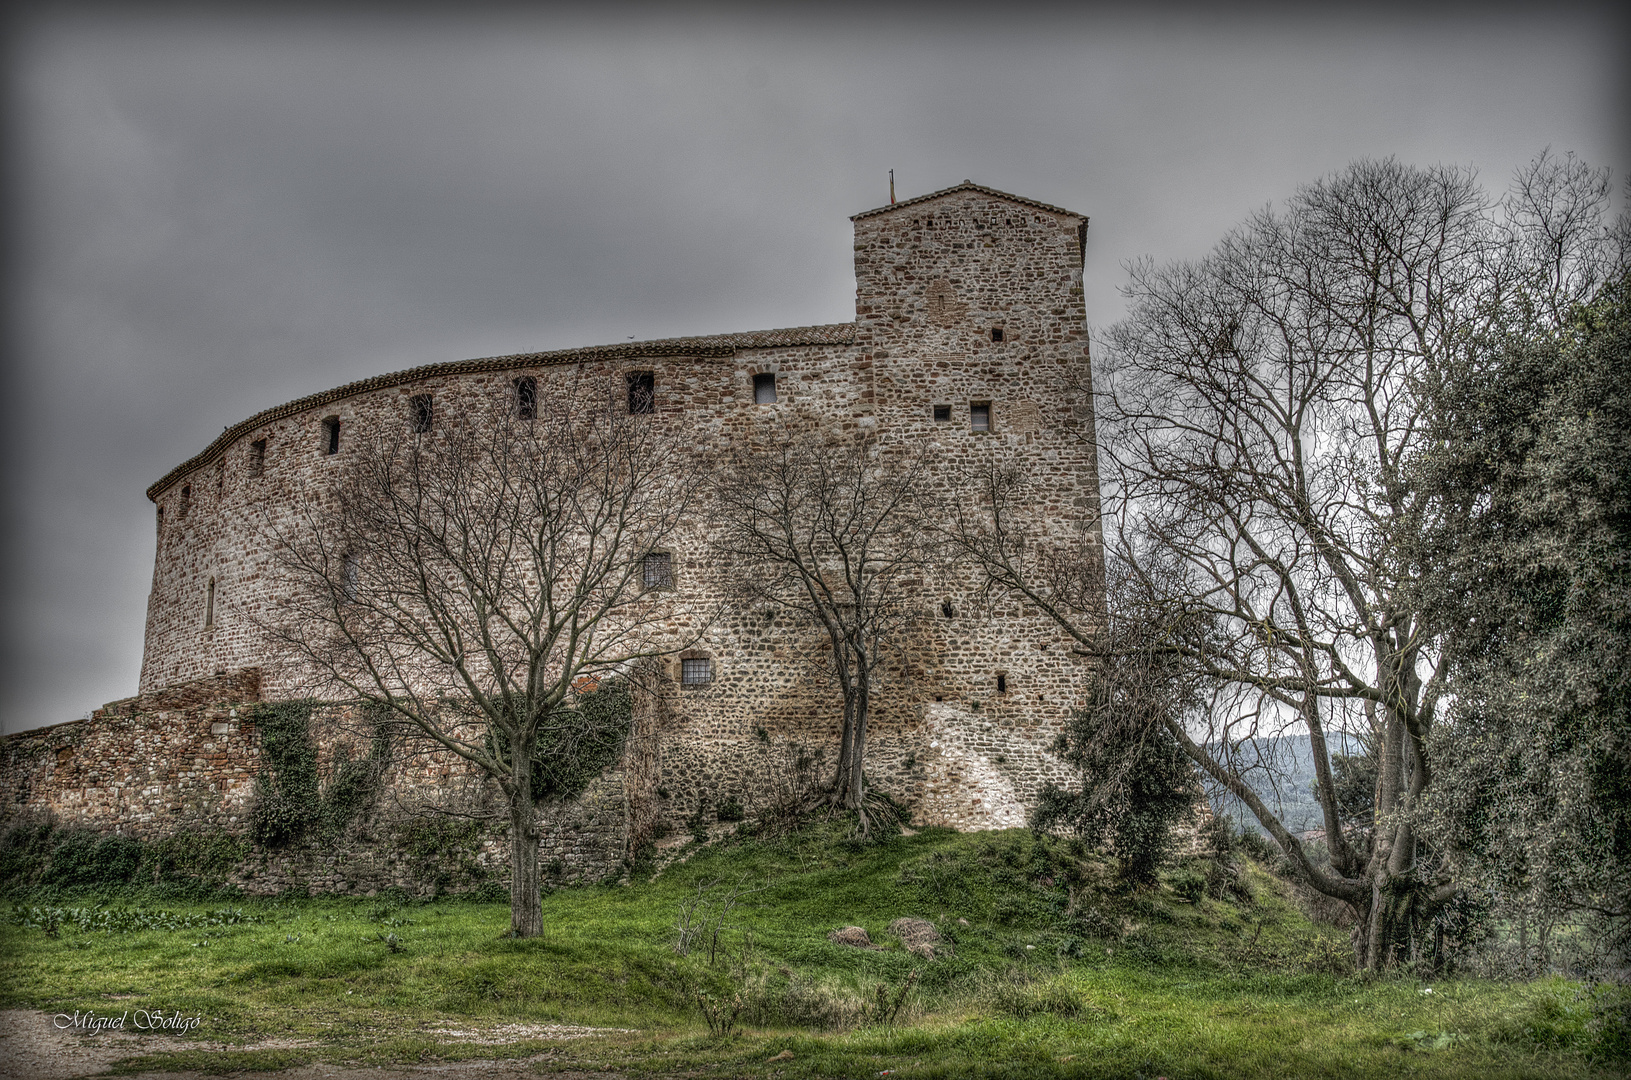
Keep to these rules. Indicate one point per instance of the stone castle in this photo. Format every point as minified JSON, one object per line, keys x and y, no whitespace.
{"x":969,"y":332}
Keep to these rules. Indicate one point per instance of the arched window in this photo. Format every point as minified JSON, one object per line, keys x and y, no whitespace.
{"x":209,"y":606}
{"x":526,"y":398}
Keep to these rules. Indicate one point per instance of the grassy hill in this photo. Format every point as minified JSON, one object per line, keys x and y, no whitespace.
{"x":1054,"y":971}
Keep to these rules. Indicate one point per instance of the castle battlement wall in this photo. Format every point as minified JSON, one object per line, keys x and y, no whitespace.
{"x":969,"y":339}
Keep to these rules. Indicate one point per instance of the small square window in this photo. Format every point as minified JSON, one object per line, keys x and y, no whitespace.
{"x":996,"y":333}
{"x":423,"y":413}
{"x":979,"y":416}
{"x":942,"y":414}
{"x":658,"y":570}
{"x":526,"y":398}
{"x":696,"y":671}
{"x":764,"y":388}
{"x":642,"y":392}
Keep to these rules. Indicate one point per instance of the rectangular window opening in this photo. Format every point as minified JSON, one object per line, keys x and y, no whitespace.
{"x":1002,"y":684}
{"x":696,"y":671}
{"x":186,"y":500}
{"x":942,"y":414}
{"x":209,"y":607}
{"x":657,"y":572}
{"x":257,"y":457}
{"x":331,"y":435}
{"x":642,"y":392}
{"x":979,"y":416}
{"x":526,"y":398}
{"x":423,"y":413}
{"x":350,"y":577}
{"x":996,"y":333}
{"x":764,"y":388}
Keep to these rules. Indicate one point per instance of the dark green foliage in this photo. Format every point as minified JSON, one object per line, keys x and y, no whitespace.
{"x":1527,"y":570}
{"x":25,"y":852}
{"x":290,"y":801}
{"x":1136,"y":784}
{"x":286,"y":791}
{"x":731,"y":810}
{"x":577,"y":742}
{"x":83,"y":859}
{"x":200,"y":860}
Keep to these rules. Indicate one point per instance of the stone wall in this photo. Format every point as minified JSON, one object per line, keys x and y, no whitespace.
{"x":962,"y":725}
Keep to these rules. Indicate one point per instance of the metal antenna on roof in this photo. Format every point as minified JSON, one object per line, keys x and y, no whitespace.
{"x":891,"y":187}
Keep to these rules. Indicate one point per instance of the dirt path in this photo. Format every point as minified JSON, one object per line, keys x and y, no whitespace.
{"x":36,"y":1046}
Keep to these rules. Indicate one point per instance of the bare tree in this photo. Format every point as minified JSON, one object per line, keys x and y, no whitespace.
{"x":1263,"y":407}
{"x":831,"y":530}
{"x":472,"y":577}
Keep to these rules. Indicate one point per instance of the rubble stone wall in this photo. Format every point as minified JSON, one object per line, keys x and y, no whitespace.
{"x":966,"y":300}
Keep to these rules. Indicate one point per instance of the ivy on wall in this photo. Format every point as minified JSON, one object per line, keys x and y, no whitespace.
{"x":290,"y":801}
{"x":579,"y":743}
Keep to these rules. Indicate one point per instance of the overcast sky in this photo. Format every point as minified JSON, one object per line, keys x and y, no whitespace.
{"x":208,"y":216}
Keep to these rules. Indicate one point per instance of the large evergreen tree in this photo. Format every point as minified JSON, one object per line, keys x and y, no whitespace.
{"x":1528,"y":570}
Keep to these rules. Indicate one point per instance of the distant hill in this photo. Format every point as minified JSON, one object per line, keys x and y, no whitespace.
{"x":1288,"y":789}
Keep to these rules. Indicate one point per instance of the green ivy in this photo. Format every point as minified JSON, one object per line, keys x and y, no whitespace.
{"x":579,"y":743}
{"x":290,"y":802}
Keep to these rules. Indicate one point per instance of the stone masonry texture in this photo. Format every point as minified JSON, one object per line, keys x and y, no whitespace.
{"x":969,"y":300}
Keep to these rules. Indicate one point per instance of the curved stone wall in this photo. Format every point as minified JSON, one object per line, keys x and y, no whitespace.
{"x":965,"y":298}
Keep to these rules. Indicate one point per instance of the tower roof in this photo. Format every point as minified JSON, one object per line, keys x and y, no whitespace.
{"x":967,"y":185}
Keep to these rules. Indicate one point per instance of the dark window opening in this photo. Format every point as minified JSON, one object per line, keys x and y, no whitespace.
{"x":209,"y":606}
{"x":696,"y":671}
{"x":161,"y":519}
{"x":764,"y":388}
{"x":331,"y":435}
{"x":257,"y":457}
{"x":947,"y":610}
{"x":642,"y":392}
{"x":1002,"y":684}
{"x":979,"y":416}
{"x":942,"y":414}
{"x":996,"y":333}
{"x":186,"y":500}
{"x":526,"y":398}
{"x":424,"y":413}
{"x":658,"y":570}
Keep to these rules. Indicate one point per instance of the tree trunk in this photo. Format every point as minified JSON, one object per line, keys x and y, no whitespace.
{"x":526,"y":904}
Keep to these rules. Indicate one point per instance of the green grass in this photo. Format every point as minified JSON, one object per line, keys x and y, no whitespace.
{"x":1115,"y":984}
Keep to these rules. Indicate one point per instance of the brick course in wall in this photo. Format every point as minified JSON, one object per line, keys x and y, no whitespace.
{"x":966,"y":298}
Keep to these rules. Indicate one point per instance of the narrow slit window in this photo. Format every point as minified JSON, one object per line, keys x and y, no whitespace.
{"x":257,"y":457}
{"x":696,"y":671}
{"x":186,"y":500}
{"x":526,"y":398}
{"x":642,"y":392}
{"x":331,"y":435}
{"x":423,"y":412}
{"x":996,"y":333}
{"x":1002,"y":683}
{"x":657,"y":572}
{"x":979,"y":416}
{"x":209,"y":606}
{"x":942,"y":414}
{"x":350,"y":578}
{"x":161,"y":521}
{"x":220,"y":479}
{"x":764,"y":388}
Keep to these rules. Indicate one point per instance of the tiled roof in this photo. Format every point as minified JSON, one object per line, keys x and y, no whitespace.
{"x":967,"y":185}
{"x":712,"y":345}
